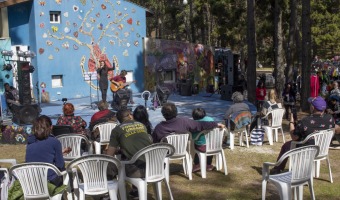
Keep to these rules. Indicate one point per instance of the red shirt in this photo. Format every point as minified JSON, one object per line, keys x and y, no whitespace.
{"x":119,"y":78}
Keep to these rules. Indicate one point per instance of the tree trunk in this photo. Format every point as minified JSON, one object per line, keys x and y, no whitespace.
{"x":278,"y":49}
{"x":251,"y":41}
{"x":306,"y":54}
{"x":290,"y":47}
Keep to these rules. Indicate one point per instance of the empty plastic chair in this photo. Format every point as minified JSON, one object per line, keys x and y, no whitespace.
{"x":300,"y":173}
{"x":276,"y":124}
{"x":182,"y":152}
{"x":94,"y":175}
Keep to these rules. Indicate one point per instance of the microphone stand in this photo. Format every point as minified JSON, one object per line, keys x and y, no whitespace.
{"x":38,"y":92}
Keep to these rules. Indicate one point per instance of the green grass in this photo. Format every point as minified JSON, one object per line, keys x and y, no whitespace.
{"x":244,"y":175}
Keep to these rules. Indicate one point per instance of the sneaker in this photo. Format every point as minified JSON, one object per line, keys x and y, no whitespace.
{"x":210,"y":167}
{"x":274,"y":171}
{"x":196,"y":168}
{"x":134,"y":194}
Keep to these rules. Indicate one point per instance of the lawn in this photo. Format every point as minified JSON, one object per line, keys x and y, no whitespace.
{"x":244,"y":175}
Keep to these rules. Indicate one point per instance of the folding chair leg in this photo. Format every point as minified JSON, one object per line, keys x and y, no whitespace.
{"x":188,"y":166}
{"x":317,"y":169}
{"x":167,"y":169}
{"x":264,"y":188}
{"x":224,"y":161}
{"x":169,"y":190}
{"x":283,"y":136}
{"x":158,"y":189}
{"x":231,"y":140}
{"x":203,"y":164}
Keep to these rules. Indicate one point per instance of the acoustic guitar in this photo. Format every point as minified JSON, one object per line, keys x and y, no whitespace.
{"x":115,"y":86}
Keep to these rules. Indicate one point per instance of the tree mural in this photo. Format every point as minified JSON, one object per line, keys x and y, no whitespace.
{"x":104,"y":24}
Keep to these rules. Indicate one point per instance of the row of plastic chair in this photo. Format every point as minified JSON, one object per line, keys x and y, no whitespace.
{"x":93,"y":169}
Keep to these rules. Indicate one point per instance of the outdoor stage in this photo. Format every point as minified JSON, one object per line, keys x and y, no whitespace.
{"x":214,"y":106}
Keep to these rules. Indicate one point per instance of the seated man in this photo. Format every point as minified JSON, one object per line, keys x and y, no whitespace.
{"x":103,"y":115}
{"x":130,"y":136}
{"x":318,"y":120}
{"x":119,"y":83}
{"x":11,"y":95}
{"x":174,"y":124}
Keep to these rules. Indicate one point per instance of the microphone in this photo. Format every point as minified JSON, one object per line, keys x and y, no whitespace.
{"x":113,"y":65}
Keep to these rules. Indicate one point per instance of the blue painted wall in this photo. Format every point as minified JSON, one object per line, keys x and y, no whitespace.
{"x":113,"y":29}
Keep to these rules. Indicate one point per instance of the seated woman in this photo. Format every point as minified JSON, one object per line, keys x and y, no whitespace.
{"x":198,"y":114}
{"x":44,"y":147}
{"x":77,"y":123}
{"x":141,"y":115}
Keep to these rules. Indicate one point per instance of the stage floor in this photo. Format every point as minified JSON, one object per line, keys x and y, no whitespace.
{"x":214,"y":106}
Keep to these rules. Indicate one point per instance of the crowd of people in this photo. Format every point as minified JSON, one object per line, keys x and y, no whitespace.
{"x":134,"y":130}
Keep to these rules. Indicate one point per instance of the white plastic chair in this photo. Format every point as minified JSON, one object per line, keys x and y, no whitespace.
{"x":155,"y":156}
{"x":94,"y":172}
{"x":242,"y":131}
{"x":214,"y":140}
{"x":182,"y":152}
{"x":276,"y":124}
{"x":33,"y":179}
{"x":5,"y":183}
{"x":73,"y":140}
{"x":300,"y":173}
{"x":323,"y":140}
{"x":104,"y":134}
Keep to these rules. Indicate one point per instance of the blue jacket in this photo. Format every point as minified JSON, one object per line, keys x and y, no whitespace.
{"x":48,"y":151}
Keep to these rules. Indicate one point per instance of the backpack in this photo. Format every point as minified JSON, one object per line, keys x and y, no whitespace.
{"x":257,"y":136}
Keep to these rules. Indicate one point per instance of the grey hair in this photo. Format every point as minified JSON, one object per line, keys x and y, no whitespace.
{"x":237,"y":97}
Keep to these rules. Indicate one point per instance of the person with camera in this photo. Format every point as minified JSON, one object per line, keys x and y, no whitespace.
{"x":299,"y":130}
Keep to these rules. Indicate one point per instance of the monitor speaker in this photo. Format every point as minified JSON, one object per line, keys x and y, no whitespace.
{"x":163,"y":94}
{"x":121,"y":99}
{"x":25,"y":114}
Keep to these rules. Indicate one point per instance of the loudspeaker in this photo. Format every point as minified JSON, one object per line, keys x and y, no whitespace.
{"x":25,"y":114}
{"x":24,"y":83}
{"x":163,"y":94}
{"x":120,"y":100}
{"x":228,"y":90}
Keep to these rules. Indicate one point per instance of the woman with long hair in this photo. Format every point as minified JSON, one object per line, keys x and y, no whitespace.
{"x":141,"y":115}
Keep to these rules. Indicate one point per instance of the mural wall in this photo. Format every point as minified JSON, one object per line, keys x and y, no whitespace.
{"x":72,"y":36}
{"x":193,"y":62}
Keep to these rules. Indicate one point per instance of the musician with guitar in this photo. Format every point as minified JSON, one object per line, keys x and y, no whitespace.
{"x":119,"y":83}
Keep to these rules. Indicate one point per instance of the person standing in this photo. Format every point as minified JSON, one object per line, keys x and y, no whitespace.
{"x":102,"y":73}
{"x":260,"y":94}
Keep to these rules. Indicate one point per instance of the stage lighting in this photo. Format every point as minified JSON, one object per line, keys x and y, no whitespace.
{"x":20,"y":53}
{"x":7,"y":67}
{"x":29,"y":54}
{"x":7,"y":53}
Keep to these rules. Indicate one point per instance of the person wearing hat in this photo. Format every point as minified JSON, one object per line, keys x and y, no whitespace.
{"x":318,"y":120}
{"x":102,"y":73}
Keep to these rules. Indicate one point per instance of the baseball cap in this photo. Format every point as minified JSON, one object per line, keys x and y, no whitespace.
{"x":318,"y":103}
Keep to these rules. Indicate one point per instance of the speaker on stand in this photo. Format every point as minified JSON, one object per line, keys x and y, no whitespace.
{"x":121,"y":99}
{"x":25,"y":112}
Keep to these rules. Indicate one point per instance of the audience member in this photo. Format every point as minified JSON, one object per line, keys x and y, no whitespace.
{"x":174,"y":124}
{"x":130,"y":136}
{"x":77,"y":123}
{"x":44,"y":147}
{"x":334,"y":108}
{"x":260,"y":94}
{"x":335,"y":90}
{"x":11,"y":95}
{"x":199,"y":114}
{"x":102,"y":116}
{"x":288,"y":99}
{"x":318,"y":120}
{"x":268,"y":106}
{"x":238,"y":105}
{"x":141,"y":115}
